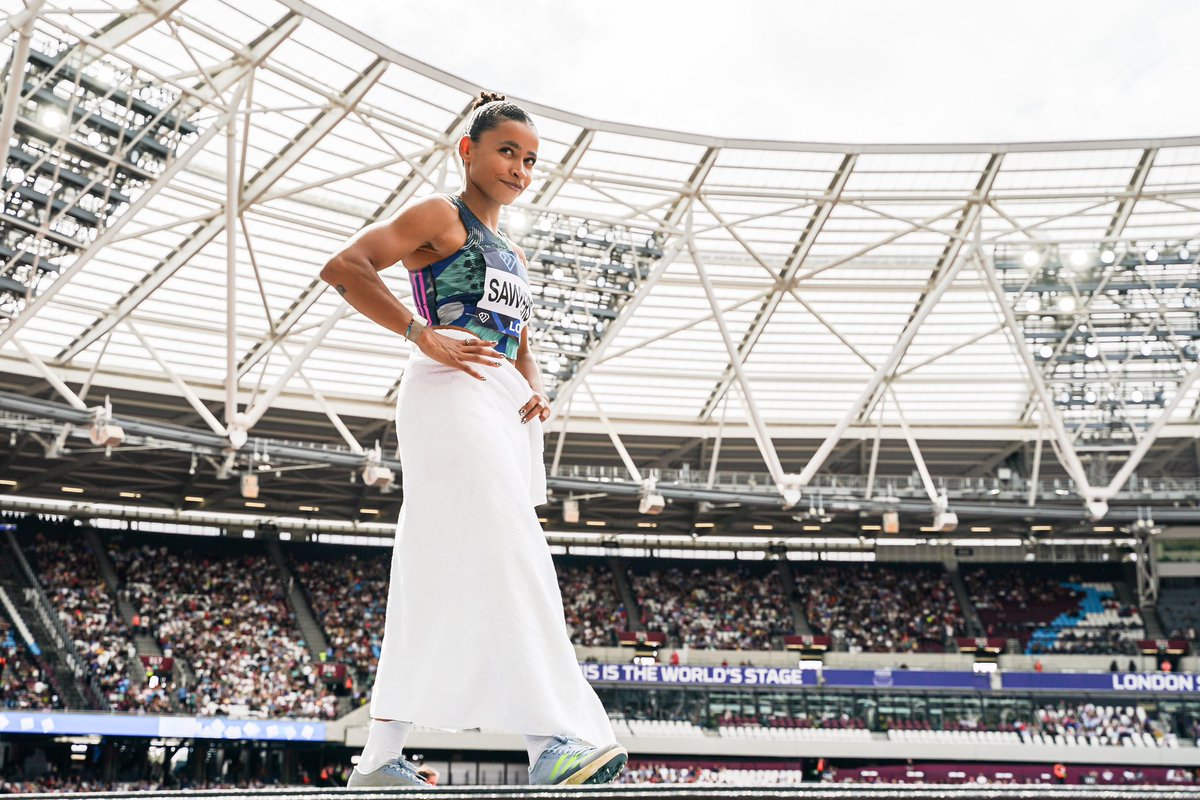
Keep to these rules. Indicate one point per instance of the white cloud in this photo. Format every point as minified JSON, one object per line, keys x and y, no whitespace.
{"x":846,"y":71}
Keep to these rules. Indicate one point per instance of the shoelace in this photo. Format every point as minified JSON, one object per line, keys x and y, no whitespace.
{"x":567,"y":746}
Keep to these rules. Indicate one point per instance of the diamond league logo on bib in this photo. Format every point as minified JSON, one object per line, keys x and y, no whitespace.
{"x":505,"y":291}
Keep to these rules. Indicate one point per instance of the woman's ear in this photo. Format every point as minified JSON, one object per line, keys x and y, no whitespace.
{"x":464,"y":148}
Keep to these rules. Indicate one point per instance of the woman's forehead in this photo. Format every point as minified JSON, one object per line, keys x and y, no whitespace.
{"x":520,"y":132}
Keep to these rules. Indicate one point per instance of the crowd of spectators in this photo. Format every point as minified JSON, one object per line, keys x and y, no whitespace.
{"x":1101,"y":724}
{"x":593,"y":609}
{"x":1179,"y":607}
{"x":1030,"y":605}
{"x":711,"y":606}
{"x":70,"y":575}
{"x":347,"y":592}
{"x":877,"y":609}
{"x":225,"y":614}
{"x":25,"y":680}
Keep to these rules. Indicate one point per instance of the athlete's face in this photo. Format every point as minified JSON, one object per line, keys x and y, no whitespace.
{"x":501,"y":162}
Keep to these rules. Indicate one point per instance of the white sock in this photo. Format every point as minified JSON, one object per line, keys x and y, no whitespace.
{"x":385,"y":741}
{"x":535,"y":745}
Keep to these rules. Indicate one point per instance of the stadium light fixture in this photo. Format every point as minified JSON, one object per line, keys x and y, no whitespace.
{"x":1079,"y":258}
{"x":651,"y":502}
{"x":1107,"y":256}
{"x":103,"y":433}
{"x":1031,"y":258}
{"x":374,"y":473}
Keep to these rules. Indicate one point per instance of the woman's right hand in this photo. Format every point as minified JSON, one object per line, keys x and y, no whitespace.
{"x":459,"y":353}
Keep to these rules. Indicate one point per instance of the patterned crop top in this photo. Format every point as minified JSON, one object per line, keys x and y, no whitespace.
{"x":483,"y":287}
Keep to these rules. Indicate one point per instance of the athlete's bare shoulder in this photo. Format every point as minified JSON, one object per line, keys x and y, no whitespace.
{"x":433,"y":224}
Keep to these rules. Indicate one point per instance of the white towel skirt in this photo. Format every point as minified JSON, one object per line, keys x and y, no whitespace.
{"x":475,"y":635}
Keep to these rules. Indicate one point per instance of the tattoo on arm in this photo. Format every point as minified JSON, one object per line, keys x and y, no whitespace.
{"x":341,"y":290}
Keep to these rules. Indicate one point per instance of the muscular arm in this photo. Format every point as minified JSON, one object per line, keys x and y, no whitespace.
{"x":354,"y":270}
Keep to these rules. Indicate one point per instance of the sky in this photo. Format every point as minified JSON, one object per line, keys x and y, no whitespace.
{"x":843,"y":71}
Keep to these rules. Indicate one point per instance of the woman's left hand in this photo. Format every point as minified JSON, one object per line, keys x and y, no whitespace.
{"x":538,"y":406}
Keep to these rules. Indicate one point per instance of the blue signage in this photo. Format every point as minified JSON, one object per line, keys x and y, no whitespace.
{"x":659,"y":674}
{"x":905,"y":679}
{"x":1174,"y":683}
{"x":697,"y":676}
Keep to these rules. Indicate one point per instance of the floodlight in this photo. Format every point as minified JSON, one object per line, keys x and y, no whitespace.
{"x":1152,"y":254}
{"x":103,"y":433}
{"x":374,"y":473}
{"x":1031,"y":258}
{"x":1108,"y":256}
{"x":1079,"y":258}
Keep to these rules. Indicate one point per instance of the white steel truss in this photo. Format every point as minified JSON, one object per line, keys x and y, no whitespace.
{"x":832,"y":285}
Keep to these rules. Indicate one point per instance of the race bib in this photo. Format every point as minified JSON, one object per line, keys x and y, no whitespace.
{"x":506,"y":290}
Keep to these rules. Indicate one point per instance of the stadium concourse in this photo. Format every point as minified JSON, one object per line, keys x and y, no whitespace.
{"x":950,"y":541}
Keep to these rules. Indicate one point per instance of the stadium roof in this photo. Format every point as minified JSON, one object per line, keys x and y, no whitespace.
{"x":864,"y":289}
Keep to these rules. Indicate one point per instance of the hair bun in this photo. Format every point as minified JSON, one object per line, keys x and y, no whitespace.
{"x":487,"y":97}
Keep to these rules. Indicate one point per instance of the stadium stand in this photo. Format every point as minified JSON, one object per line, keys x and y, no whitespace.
{"x":221,"y":609}
{"x":591,"y":602}
{"x":70,"y":576}
{"x":702,"y":605}
{"x":1179,"y":608}
{"x":875,"y":609}
{"x":1051,"y":612}
{"x":347,"y":589}
{"x":25,"y":681}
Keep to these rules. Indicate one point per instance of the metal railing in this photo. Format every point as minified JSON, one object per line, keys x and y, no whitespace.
{"x":52,"y":624}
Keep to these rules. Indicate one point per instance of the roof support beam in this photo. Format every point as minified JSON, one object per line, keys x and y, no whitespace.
{"x":566,"y":169}
{"x":679,"y":209}
{"x":794,"y":262}
{"x":762,"y":436}
{"x":943,"y":276}
{"x":1064,"y":445}
{"x":260,"y":50}
{"x":615,"y":438}
{"x":16,"y":78}
{"x":185,"y":390}
{"x":258,"y":186}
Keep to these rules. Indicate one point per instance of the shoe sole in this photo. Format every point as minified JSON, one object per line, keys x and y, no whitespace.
{"x":370,"y":780}
{"x":603,"y":769}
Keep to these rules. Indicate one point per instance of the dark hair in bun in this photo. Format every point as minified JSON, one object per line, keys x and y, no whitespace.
{"x":489,"y":110}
